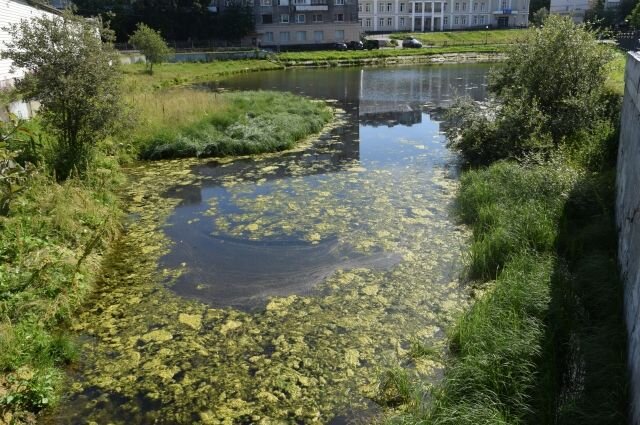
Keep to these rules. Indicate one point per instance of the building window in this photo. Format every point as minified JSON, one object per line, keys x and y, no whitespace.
{"x":317,"y":18}
{"x":401,"y":7}
{"x":367,"y":7}
{"x":300,"y":19}
{"x":301,"y":36}
{"x":268,"y":36}
{"x":265,"y":2}
{"x":389,"y":22}
{"x":427,"y":7}
{"x":389,"y":7}
{"x":284,"y":36}
{"x":402,"y":21}
{"x":318,"y":36}
{"x":464,"y":20}
{"x":418,"y":7}
{"x":381,"y":22}
{"x":338,"y":17}
{"x":368,"y":21}
{"x":457,"y":7}
{"x":464,"y":6}
{"x":482,"y":6}
{"x":380,"y":7}
{"x":481,"y":19}
{"x":360,"y":7}
{"x":437,"y":7}
{"x":339,"y":35}
{"x":445,"y":20}
{"x":475,"y":6}
{"x":475,"y":20}
{"x":455,"y":20}
{"x":339,"y":2}
{"x":504,"y":4}
{"x":444,"y":6}
{"x":360,"y":22}
{"x":267,"y":19}
{"x":283,"y":2}
{"x":284,"y":19}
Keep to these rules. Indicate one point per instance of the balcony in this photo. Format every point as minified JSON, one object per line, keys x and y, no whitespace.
{"x":505,"y":12}
{"x":311,"y":5}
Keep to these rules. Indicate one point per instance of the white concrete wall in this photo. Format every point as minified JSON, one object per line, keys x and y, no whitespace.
{"x":628,"y":222}
{"x":11,"y":12}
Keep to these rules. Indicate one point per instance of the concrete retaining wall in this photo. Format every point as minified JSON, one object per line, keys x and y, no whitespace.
{"x":628,"y":221}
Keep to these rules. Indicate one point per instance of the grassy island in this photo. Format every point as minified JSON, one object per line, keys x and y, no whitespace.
{"x":188,"y":123}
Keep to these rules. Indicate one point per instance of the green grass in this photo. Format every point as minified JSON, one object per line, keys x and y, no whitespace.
{"x":290,"y":58}
{"x":615,"y":82}
{"x":248,"y":123}
{"x":546,"y":343}
{"x":465,"y":38}
{"x":167,"y":75}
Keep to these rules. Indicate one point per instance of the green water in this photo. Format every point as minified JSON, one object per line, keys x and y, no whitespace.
{"x":277,"y":289}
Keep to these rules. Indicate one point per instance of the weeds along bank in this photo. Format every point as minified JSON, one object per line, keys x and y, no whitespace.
{"x":545,"y":341}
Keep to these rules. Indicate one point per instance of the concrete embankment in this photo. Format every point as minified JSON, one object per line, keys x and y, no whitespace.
{"x":628,"y":222}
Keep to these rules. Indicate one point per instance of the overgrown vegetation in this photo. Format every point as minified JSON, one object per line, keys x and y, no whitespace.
{"x":52,"y":236}
{"x":239,"y":123}
{"x":545,"y":341}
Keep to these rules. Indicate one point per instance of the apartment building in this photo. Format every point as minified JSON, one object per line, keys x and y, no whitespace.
{"x":576,"y":9}
{"x":440,"y":15}
{"x":282,"y":23}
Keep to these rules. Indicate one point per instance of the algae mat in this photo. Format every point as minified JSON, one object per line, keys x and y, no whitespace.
{"x":379,"y":198}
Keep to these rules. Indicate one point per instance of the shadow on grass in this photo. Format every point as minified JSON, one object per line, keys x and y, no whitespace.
{"x":582,"y":371}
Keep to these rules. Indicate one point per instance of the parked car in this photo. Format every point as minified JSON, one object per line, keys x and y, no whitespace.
{"x":411,"y":42}
{"x":355,"y":45}
{"x":340,"y":46}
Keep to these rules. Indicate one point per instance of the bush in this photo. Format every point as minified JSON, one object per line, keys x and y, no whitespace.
{"x":551,"y":87}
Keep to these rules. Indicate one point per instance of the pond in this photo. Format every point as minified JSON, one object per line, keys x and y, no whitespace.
{"x":277,"y":289}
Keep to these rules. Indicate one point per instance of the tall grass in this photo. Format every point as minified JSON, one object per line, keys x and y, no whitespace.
{"x":546,"y":342}
{"x":226,"y":124}
{"x":51,"y":243}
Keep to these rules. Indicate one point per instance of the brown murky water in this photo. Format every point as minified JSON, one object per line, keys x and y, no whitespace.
{"x":275,"y":289}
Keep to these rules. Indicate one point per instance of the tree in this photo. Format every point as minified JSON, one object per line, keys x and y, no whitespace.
{"x":540,"y":16}
{"x":552,"y":86}
{"x":151,"y":44}
{"x":236,"y":21}
{"x":75,"y":77}
{"x":634,"y":17}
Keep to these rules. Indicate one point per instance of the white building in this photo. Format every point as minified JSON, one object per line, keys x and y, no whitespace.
{"x":575,"y":9}
{"x":440,"y":15}
{"x":12,"y":12}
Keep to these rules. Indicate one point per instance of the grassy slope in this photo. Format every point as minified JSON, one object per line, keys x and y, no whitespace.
{"x":329,"y":55}
{"x":174,"y":74}
{"x":460,"y":38}
{"x":546,"y":342}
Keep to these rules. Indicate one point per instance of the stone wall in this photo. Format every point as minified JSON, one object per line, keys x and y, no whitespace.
{"x":628,"y":221}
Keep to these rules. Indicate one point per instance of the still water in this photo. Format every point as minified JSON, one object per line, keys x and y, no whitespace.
{"x":276,"y":289}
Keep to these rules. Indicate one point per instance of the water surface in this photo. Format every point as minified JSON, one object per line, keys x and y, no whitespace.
{"x":275,"y":289}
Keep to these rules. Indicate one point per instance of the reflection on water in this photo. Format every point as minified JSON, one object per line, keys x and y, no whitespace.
{"x":245,"y":268}
{"x":290,"y":280}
